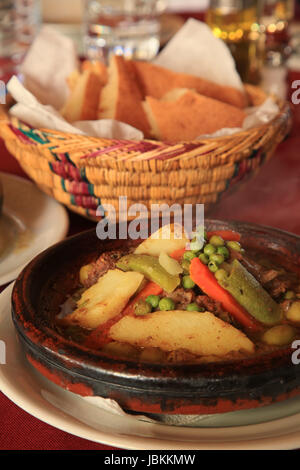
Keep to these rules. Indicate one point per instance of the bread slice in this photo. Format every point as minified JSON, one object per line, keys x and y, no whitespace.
{"x":156,"y":81}
{"x":73,"y":79}
{"x":121,"y":99}
{"x":97,"y":67}
{"x":256,"y":95}
{"x":184,"y":115}
{"x":82,"y":104}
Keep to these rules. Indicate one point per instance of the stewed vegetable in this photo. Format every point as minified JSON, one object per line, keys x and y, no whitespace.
{"x":250,"y":294}
{"x":150,"y":267}
{"x":166,"y":304}
{"x":279,"y":335}
{"x":205,"y":300}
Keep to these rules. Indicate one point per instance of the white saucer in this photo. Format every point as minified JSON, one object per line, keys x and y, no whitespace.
{"x":68,"y":412}
{"x":31,"y":222}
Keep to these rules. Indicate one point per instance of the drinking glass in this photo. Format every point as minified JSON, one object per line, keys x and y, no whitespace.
{"x":237,"y":23}
{"x":19,"y":23}
{"x":124,"y":27}
{"x":7,"y":39}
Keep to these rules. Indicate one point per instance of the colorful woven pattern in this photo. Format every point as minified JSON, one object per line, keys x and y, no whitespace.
{"x":84,"y":172}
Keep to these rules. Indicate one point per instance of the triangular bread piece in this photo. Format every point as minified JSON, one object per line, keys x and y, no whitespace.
{"x":97,"y":67}
{"x":156,"y":81}
{"x":82,"y":104}
{"x":72,"y":80}
{"x":121,"y":99}
{"x":184,"y":115}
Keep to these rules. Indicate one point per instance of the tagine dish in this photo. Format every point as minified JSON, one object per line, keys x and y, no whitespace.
{"x":167,"y":325}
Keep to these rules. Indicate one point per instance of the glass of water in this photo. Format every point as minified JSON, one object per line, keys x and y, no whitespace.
{"x":130,"y":28}
{"x":19,"y":23}
{"x":7,"y":39}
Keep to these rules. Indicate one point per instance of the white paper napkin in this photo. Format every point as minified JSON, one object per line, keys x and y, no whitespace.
{"x":29,"y":110}
{"x":50,"y":60}
{"x":195,"y":50}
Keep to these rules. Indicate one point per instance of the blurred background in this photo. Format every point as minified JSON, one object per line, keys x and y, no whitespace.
{"x":263,"y":35}
{"x":257,"y":31}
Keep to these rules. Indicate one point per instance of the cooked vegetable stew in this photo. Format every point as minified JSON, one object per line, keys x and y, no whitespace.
{"x":177,"y":301}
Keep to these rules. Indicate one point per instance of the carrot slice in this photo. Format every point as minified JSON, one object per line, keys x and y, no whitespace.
{"x":178,"y":254}
{"x":207,"y":282}
{"x":227,"y":235}
{"x":99,"y":336}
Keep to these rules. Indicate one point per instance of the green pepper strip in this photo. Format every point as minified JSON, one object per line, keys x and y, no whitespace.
{"x":251,"y":295}
{"x":152,"y":270}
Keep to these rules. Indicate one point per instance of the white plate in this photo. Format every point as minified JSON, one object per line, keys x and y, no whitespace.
{"x":32,"y":222}
{"x":68,"y":412}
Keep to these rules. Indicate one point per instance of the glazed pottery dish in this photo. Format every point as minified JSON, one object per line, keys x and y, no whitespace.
{"x":167,"y":326}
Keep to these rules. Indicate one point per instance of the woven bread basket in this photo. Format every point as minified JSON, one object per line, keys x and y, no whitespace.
{"x":84,"y":173}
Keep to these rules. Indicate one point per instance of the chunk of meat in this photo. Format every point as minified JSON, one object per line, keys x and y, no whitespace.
{"x":104,"y":263}
{"x":184,"y":297}
{"x":277,"y":287}
{"x":214,"y":307}
{"x":268,"y":275}
{"x":181,"y":297}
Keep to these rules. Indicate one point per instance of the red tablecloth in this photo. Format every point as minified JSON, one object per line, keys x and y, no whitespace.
{"x":271,"y":198}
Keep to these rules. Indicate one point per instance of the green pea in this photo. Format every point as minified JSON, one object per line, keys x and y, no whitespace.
{"x":221,"y":275}
{"x":142,"y":308}
{"x":236,"y":246}
{"x":218,"y":259}
{"x":194,"y":308}
{"x":166,"y":304}
{"x":222,"y":250}
{"x":289,"y":295}
{"x":209,"y":249}
{"x":189,"y":255}
{"x":212,"y":266}
{"x":226,"y":267}
{"x":153,"y":300}
{"x":204,"y":258}
{"x":185,"y":266}
{"x":187,"y":282}
{"x":216,"y":240}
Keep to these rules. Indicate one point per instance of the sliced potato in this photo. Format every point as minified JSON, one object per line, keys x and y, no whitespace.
{"x":105,"y":299}
{"x":201,"y":334}
{"x":84,"y":272}
{"x":167,"y":239}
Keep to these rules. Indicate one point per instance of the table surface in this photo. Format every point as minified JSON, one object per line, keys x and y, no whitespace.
{"x":271,"y":198}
